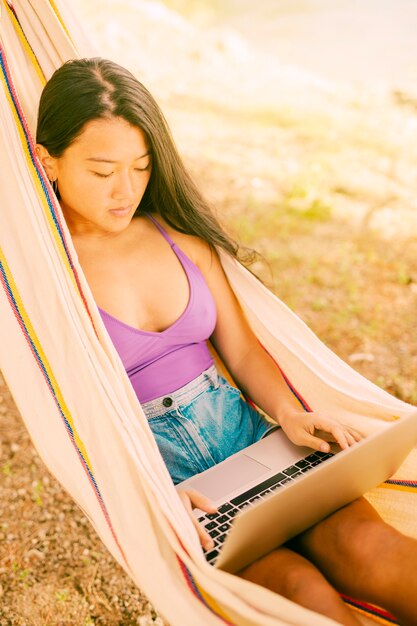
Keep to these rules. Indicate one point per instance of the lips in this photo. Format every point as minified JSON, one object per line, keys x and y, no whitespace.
{"x":121,"y":210}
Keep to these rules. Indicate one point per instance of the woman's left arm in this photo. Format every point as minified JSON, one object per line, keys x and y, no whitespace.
{"x":257,"y":375}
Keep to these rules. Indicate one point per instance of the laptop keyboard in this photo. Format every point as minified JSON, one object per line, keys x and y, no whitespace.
{"x":218,"y":524}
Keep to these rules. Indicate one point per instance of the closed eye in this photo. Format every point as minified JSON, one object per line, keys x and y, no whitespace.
{"x":147,"y":166}
{"x":102,"y":175}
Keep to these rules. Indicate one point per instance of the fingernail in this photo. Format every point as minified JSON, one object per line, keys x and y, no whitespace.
{"x":324,"y":447}
{"x":208,"y":545}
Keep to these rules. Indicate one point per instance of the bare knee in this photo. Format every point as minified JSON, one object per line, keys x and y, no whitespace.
{"x":301,"y":582}
{"x":350,"y":530}
{"x":288,"y":574}
{"x":361,"y":537}
{"x":354,"y":539}
{"x":292,"y":576}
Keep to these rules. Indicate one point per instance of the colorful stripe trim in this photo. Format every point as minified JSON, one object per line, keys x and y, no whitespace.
{"x":412,"y":484}
{"x":409,"y":486}
{"x":202,"y":595}
{"x":11,"y":292}
{"x":299,"y":397}
{"x":61,"y":21}
{"x":49,"y":204}
{"x":369,"y":610}
{"x":43,"y":186}
{"x":10,"y":288}
{"x":28,"y":48}
{"x":20,"y":313}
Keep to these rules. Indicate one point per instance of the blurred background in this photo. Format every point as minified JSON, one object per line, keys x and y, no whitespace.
{"x":298,"y":120}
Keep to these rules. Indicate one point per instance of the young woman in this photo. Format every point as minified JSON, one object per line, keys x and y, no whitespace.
{"x":148,"y":242}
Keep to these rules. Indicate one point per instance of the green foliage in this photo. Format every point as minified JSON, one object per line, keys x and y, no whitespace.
{"x":24,"y":573}
{"x":20,"y":573}
{"x":403,"y":276}
{"x":62,"y":595}
{"x":36,"y":497}
{"x":320,"y":304}
{"x":317,"y":211}
{"x":6,"y":468}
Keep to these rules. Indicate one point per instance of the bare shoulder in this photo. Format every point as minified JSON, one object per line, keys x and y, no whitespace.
{"x":198,"y":250}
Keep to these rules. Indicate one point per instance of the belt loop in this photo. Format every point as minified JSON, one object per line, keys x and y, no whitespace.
{"x":214,"y":379}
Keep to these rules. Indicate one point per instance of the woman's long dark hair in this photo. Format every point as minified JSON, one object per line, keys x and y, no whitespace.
{"x":82,"y":90}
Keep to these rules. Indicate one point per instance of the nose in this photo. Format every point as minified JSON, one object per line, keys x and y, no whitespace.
{"x":123,"y":187}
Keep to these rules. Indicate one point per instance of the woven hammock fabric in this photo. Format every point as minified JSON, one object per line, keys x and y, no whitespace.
{"x":73,"y":392}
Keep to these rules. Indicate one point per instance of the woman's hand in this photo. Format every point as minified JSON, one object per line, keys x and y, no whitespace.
{"x":315,"y":431}
{"x":193,"y":499}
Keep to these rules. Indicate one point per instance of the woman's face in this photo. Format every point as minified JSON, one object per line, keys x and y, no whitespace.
{"x":101,"y":177}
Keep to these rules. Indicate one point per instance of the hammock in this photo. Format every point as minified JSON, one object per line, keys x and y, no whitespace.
{"x":73,"y":392}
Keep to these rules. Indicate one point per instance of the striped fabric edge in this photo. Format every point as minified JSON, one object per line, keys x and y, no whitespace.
{"x":291,"y":387}
{"x":61,"y":21}
{"x":400,"y":485}
{"x":16,"y":303}
{"x":42,"y":184}
{"x":369,"y":610}
{"x":49,"y":205}
{"x":26,"y":45}
{"x":20,"y":313}
{"x":202,"y":595}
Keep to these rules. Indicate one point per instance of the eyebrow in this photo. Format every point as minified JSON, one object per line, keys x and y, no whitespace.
{"x":102,"y":160}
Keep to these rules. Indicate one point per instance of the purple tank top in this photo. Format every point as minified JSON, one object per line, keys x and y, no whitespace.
{"x":159,"y":363}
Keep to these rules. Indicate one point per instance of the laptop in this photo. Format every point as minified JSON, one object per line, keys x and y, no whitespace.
{"x":273,"y":490}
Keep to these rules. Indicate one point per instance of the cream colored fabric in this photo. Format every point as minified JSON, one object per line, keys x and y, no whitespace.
{"x":75,"y":396}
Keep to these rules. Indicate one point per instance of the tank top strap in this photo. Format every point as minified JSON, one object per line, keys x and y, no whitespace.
{"x":162,"y":230}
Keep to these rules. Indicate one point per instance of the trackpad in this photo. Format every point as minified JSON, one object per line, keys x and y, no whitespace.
{"x":222,"y":479}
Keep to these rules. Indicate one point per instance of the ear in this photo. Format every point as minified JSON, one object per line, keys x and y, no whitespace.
{"x":49,"y":163}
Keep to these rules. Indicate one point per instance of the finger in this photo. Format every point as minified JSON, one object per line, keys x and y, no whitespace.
{"x":353,"y":431}
{"x":352,"y":435}
{"x":201,"y":502}
{"x":356,"y":434}
{"x":326,"y":436}
{"x":350,"y":438}
{"x":338,"y":431}
{"x":205,"y":539}
{"x":341,"y":437}
{"x":315,"y":442}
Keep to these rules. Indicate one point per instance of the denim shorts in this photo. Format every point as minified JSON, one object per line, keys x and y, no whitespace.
{"x":202,"y":424}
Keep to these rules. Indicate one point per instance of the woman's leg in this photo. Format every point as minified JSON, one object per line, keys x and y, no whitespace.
{"x":365,"y":558}
{"x":295,"y":578}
